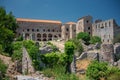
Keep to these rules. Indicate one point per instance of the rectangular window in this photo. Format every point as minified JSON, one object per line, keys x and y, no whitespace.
{"x":105,"y":24}
{"x":28,"y":30}
{"x":109,"y":24}
{"x":88,"y":28}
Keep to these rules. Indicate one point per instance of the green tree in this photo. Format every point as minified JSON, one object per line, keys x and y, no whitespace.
{"x":50,"y":59}
{"x":0,"y":48}
{"x":17,"y":51}
{"x":69,"y":51}
{"x":78,"y":45}
{"x":7,"y":30}
{"x":97,"y":70}
{"x":95,"y":39}
{"x":84,"y":36}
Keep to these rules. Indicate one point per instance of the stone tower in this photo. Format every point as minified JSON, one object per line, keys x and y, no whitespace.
{"x":68,"y":30}
{"x":84,"y":24}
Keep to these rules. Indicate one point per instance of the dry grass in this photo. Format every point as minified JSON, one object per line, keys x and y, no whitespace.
{"x":82,"y":64}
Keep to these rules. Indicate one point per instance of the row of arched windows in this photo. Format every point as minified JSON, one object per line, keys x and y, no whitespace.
{"x":44,"y":30}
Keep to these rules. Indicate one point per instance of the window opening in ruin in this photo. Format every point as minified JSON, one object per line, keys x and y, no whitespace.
{"x":48,"y":30}
{"x":43,"y":30}
{"x":28,"y":30}
{"x":67,"y":29}
{"x":37,"y":30}
{"x":87,"y":21}
{"x":88,"y":28}
{"x":109,"y":24}
{"x":33,"y":30}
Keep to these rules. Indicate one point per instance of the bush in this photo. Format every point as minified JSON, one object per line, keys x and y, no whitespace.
{"x":62,"y":59}
{"x":78,"y":45}
{"x":95,"y":39}
{"x":58,"y":71}
{"x":97,"y":70}
{"x":33,"y":51}
{"x":113,"y":74}
{"x":20,"y":38}
{"x":17,"y":51}
{"x":84,"y":36}
{"x":1,"y":49}
{"x":50,"y":59}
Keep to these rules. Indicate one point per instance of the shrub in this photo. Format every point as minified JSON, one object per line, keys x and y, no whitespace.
{"x":20,"y":38}
{"x":97,"y":70}
{"x":58,"y":71}
{"x":17,"y":51}
{"x":113,"y":73}
{"x":50,"y":59}
{"x":84,"y":36}
{"x":95,"y":39}
{"x":33,"y":51}
{"x":78,"y":45}
{"x":1,"y":49}
{"x":69,"y":51}
{"x":62,"y":59}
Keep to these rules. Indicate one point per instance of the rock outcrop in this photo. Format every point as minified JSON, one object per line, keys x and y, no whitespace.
{"x":107,"y":53}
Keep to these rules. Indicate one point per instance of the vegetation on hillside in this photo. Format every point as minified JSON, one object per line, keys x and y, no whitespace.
{"x":84,"y":36}
{"x":58,"y":72}
{"x":33,"y":51}
{"x":3,"y":69}
{"x":17,"y":51}
{"x":7,"y":30}
{"x":95,"y":39}
{"x":101,"y":70}
{"x":78,"y":46}
{"x":88,"y":39}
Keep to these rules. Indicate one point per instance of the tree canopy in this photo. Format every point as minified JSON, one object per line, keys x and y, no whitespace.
{"x":8,"y":27}
{"x":95,"y":39}
{"x":84,"y":36}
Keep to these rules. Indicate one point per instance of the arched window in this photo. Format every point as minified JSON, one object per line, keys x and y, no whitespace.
{"x":39,"y":35}
{"x":44,"y":35}
{"x":49,"y":36}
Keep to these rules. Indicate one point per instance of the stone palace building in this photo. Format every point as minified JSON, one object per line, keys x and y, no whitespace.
{"x":45,"y":30}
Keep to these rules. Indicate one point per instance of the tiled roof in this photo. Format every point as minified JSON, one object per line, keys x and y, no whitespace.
{"x":35,"y":20}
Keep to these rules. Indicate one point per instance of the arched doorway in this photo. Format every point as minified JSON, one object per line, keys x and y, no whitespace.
{"x":27,"y":36}
{"x":39,"y":37}
{"x":44,"y":37}
{"x":49,"y":36}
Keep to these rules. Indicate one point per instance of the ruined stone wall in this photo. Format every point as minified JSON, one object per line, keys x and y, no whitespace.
{"x":105,"y":30}
{"x":84,"y":24}
{"x":107,"y":53}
